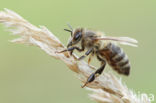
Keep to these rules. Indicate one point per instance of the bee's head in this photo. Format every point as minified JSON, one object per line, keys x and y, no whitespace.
{"x":76,"y":36}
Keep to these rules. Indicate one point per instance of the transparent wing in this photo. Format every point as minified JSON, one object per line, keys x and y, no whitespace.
{"x":122,"y":40}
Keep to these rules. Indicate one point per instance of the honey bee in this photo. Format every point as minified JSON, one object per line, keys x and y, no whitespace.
{"x":105,"y":48}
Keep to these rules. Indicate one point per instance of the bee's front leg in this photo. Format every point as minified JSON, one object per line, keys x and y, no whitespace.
{"x":68,"y":49}
{"x":71,"y":50}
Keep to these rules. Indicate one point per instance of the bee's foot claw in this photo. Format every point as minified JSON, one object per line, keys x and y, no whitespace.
{"x":90,"y":79}
{"x":84,"y":85}
{"x":60,"y":51}
{"x":82,"y":57}
{"x":92,"y":67}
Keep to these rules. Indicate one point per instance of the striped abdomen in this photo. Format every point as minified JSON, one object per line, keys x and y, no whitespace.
{"x":116,"y":58}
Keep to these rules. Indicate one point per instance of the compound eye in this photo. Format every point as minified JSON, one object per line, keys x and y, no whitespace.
{"x":77,"y":36}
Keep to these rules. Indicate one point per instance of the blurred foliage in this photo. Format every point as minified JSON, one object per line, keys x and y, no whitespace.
{"x":28,"y":75}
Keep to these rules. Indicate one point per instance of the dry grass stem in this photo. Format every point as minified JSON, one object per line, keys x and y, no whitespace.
{"x":107,"y":88}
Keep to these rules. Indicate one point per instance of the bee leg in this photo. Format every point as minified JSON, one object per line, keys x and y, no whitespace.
{"x":100,"y":59}
{"x":71,"y":50}
{"x":100,"y":70}
{"x":89,"y":59}
{"x":92,"y":77}
{"x":77,"y":48}
{"x":86,"y":54}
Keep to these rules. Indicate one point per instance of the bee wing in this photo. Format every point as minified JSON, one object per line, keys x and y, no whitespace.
{"x":122,"y":40}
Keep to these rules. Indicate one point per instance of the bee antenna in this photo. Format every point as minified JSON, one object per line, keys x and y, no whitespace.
{"x":70,"y":26}
{"x":69,"y":31}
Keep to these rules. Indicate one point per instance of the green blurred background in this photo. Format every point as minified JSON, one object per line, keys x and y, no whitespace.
{"x":29,"y":75}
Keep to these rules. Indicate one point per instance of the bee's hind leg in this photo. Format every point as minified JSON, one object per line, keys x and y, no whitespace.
{"x":103,"y":64}
{"x":99,"y":71}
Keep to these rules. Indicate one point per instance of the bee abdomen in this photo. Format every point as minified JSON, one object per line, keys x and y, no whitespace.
{"x":119,"y":61}
{"x":116,"y":58}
